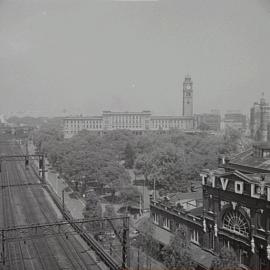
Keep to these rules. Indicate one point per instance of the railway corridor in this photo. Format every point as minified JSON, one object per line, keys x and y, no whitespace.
{"x":30,"y":204}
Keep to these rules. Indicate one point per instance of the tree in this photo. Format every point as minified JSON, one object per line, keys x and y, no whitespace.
{"x":110,"y":212}
{"x":93,"y":210}
{"x":178,"y":255}
{"x":146,"y":243}
{"x":129,"y":156}
{"x":227,"y":260}
{"x":144,"y":165}
{"x":130,"y":196}
{"x":203,"y":126}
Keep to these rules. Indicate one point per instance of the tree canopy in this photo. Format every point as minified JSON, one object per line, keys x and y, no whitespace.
{"x":227,"y":260}
{"x":173,"y":160}
{"x":177,"y":255}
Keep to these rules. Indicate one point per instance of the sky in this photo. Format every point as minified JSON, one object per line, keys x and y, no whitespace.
{"x":85,"y":56}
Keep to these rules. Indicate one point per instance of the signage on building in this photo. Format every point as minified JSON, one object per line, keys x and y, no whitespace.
{"x":234,"y":183}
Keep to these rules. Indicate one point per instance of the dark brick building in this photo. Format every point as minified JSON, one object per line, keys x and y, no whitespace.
{"x":235,"y":211}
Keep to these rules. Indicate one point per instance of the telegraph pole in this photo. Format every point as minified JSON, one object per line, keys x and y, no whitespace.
{"x":63,"y":200}
{"x":43,"y":168}
{"x":125,"y":247}
{"x":3,"y":248}
{"x":26,"y":147}
{"x":154,"y":189}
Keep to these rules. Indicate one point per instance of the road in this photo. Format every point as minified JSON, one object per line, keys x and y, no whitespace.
{"x":31,"y":204}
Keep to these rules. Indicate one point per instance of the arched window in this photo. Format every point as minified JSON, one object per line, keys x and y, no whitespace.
{"x":236,"y":222}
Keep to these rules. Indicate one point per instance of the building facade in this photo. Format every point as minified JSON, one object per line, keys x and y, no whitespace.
{"x":235,"y":212}
{"x":137,"y":122}
{"x":235,"y":120}
{"x":260,"y":120}
{"x":211,"y":121}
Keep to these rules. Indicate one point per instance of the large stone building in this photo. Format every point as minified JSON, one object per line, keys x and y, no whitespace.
{"x":138,"y":122}
{"x":211,"y":121}
{"x":235,"y":212}
{"x":235,"y":120}
{"x":260,"y":120}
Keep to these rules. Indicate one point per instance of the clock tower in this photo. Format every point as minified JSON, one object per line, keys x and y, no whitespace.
{"x":187,"y":96}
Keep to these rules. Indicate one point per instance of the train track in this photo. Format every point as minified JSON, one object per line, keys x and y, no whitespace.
{"x":29,"y":205}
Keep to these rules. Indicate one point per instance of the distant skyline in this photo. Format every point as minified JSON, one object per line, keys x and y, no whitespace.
{"x":81,"y":56}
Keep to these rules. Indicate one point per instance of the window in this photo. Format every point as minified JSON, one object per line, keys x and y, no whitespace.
{"x":210,"y":205}
{"x":235,"y":222}
{"x":194,"y":236}
{"x":155,"y":218}
{"x":166,"y":223}
{"x":261,"y":221}
{"x":243,"y":256}
{"x":227,"y":244}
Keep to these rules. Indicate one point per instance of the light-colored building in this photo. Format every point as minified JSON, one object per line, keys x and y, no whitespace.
{"x":172,"y":122}
{"x":209,"y":121}
{"x":235,"y":120}
{"x":260,"y":120}
{"x":74,"y":124}
{"x":137,"y":122}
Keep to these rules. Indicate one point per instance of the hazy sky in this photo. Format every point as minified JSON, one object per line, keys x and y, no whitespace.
{"x":88,"y":56}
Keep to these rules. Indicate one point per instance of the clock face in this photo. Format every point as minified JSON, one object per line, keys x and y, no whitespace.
{"x":188,"y":87}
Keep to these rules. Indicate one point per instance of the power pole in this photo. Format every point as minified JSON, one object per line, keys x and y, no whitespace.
{"x":3,"y":248}
{"x":26,"y":147}
{"x":154,"y":189}
{"x":43,"y":168}
{"x":140,"y":204}
{"x":126,"y":244}
{"x":138,"y":259}
{"x":63,"y":200}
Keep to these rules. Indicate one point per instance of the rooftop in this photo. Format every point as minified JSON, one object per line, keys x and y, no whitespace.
{"x":257,"y":158}
{"x":184,"y":196}
{"x":79,"y":117}
{"x":199,"y":255}
{"x":156,"y":117}
{"x":188,"y":201}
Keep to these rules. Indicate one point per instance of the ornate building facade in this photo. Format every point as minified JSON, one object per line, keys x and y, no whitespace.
{"x":235,"y":212}
{"x":137,"y":122}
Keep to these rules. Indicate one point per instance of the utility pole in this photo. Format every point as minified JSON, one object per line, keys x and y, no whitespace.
{"x":126,"y":244}
{"x":3,"y":248}
{"x":143,"y":193}
{"x":140,"y":204}
{"x":154,"y":189}
{"x":26,"y":147}
{"x":138,"y":259}
{"x":43,"y":168}
{"x":63,"y":200}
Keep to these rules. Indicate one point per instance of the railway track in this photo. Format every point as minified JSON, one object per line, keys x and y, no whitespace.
{"x":29,"y":204}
